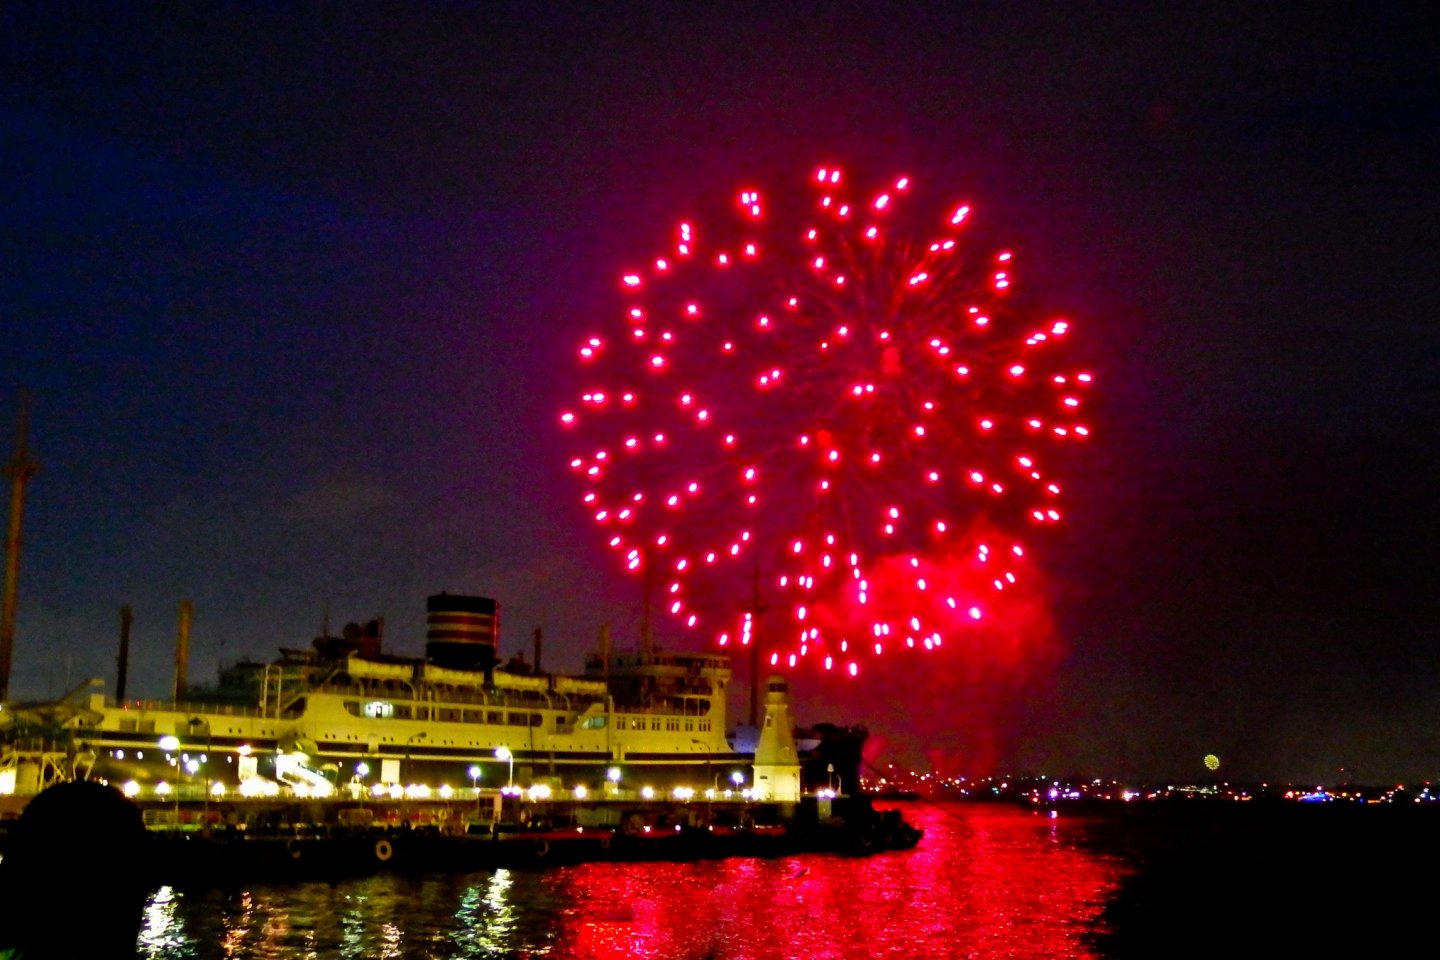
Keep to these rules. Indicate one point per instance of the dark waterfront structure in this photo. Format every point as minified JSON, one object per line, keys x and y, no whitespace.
{"x":227,"y":842}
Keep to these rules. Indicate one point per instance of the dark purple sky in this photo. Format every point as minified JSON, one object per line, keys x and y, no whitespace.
{"x":297,"y":295}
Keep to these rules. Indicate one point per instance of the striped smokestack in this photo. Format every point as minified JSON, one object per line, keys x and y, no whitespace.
{"x":462,"y":632}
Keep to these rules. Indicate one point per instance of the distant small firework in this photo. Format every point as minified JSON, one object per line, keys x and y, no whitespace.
{"x":829,"y":412}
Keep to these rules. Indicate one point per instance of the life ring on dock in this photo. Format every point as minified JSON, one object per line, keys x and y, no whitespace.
{"x":383,"y":850}
{"x":294,"y":850}
{"x":542,"y":848}
{"x":605,"y":843}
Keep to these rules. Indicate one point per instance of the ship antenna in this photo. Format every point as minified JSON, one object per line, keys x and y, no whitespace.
{"x":756,"y":609}
{"x":21,"y":469}
{"x":647,"y":639}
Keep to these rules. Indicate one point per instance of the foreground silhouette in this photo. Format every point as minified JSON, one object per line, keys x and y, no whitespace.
{"x":75,"y":876}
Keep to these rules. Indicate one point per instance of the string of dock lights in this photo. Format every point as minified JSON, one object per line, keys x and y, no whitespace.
{"x":294,"y":779}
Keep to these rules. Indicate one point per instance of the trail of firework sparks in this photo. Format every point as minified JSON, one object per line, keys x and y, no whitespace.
{"x":835,"y":401}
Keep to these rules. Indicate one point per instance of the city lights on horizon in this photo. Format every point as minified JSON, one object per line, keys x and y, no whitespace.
{"x":191,"y":782}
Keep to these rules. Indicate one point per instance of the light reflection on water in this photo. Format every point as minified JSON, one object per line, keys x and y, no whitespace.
{"x":985,"y":882}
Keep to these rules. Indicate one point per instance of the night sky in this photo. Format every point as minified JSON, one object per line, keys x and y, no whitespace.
{"x":297,"y":294}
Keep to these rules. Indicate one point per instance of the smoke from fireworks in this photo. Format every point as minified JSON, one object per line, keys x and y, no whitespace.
{"x":826,"y":425}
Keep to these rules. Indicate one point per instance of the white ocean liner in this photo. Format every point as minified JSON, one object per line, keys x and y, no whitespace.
{"x":343,"y":716}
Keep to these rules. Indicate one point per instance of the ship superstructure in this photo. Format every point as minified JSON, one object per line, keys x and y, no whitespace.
{"x":343,"y":716}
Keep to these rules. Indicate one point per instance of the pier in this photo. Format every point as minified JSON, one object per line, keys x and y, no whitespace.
{"x":213,"y":843}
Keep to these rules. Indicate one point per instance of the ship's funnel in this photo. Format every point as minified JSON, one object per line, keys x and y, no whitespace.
{"x":372,"y":635}
{"x":182,"y":649}
{"x":122,"y":659}
{"x":462,"y":633}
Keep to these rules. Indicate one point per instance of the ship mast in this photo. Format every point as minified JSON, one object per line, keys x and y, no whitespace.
{"x":21,"y":469}
{"x":756,"y":609}
{"x":647,"y":638}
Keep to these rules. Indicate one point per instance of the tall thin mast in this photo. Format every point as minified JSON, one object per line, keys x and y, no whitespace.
{"x":756,"y":609}
{"x":647,"y":638}
{"x":21,"y":469}
{"x":122,"y":659}
{"x":182,"y":650}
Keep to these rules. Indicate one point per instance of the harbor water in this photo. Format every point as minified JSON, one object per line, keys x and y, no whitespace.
{"x":986,"y":881}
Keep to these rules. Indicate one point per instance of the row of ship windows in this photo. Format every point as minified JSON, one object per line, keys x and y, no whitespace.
{"x":691,"y":724}
{"x":381,"y":709}
{"x":384,"y":710}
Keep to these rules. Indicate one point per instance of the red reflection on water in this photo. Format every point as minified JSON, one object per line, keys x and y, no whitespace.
{"x":985,"y":882}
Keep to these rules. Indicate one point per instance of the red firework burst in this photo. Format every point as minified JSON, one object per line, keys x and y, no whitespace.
{"x":829,"y":410}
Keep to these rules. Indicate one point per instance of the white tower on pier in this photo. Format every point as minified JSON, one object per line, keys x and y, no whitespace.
{"x":777,"y":763}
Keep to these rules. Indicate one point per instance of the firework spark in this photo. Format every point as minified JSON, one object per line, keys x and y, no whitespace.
{"x":830,"y":411}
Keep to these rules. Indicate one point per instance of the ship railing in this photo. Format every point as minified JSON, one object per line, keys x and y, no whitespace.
{"x":689,"y":708}
{"x":499,"y":698}
{"x":201,"y":709}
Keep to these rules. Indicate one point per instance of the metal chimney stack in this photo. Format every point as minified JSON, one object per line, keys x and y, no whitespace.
{"x":605,"y":652}
{"x":122,"y":659}
{"x":182,"y":648}
{"x":21,"y":469}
